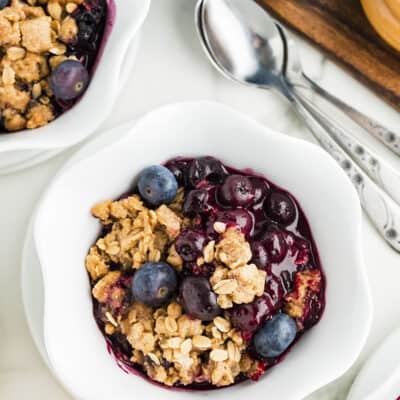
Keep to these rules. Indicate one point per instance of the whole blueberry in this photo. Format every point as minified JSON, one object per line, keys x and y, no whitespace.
{"x":261,"y":189}
{"x":237,"y":190}
{"x":238,"y":217}
{"x":199,"y":201}
{"x":198,"y":300}
{"x":190,"y":243}
{"x":179,"y":168}
{"x":275,"y":244}
{"x":4,"y":4}
{"x":89,"y":19}
{"x":280,"y":208}
{"x":247,"y":318}
{"x":69,"y":80}
{"x":154,"y":284}
{"x":206,"y":169}
{"x":275,"y":336}
{"x":157,"y":185}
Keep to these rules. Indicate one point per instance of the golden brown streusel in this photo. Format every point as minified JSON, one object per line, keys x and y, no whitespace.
{"x":102,"y":289}
{"x":234,"y":281}
{"x":166,"y":337}
{"x":233,"y":250}
{"x":305,"y":282}
{"x":137,"y":234}
{"x":174,"y":258}
{"x":96,"y":264}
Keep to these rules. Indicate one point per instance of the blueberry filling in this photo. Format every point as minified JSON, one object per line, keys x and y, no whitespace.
{"x":215,"y":200}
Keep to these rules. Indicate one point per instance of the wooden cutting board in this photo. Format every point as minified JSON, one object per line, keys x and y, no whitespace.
{"x":341,"y":28}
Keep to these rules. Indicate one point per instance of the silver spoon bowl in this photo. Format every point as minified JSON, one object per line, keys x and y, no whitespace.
{"x":252,"y":55}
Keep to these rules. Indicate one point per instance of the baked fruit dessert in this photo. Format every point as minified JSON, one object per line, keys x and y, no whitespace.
{"x":203,"y":275}
{"x":48,"y":50}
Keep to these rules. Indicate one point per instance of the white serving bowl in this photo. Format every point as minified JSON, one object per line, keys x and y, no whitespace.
{"x":93,"y":108}
{"x":379,"y":378}
{"x":64,"y":230}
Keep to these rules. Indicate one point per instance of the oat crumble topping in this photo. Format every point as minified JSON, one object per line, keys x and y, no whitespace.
{"x":169,"y":344}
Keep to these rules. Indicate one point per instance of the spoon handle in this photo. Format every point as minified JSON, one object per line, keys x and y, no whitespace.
{"x":377,"y":168}
{"x":383,"y":212}
{"x":389,"y":138}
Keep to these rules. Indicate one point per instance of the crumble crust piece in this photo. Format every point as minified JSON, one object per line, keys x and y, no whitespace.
{"x":234,"y":280}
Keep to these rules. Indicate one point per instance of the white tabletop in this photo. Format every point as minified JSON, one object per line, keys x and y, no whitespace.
{"x":171,"y":67}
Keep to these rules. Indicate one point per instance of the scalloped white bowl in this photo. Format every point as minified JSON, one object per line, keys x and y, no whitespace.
{"x":64,"y":230}
{"x":85,"y":117}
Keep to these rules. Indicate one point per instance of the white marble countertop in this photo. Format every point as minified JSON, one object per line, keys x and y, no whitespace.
{"x":171,"y":67}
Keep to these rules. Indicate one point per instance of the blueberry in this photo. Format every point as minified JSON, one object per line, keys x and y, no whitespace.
{"x":261,"y":189}
{"x":238,"y":217}
{"x":154,"y":284}
{"x":237,"y":190}
{"x":280,"y":208}
{"x":275,"y":245}
{"x":199,"y":201}
{"x":157,"y":185}
{"x":69,"y":80}
{"x":89,"y":20}
{"x":189,"y":244}
{"x":4,"y":4}
{"x":179,"y":168}
{"x":206,"y":169}
{"x":260,"y":255}
{"x":275,"y":336}
{"x":198,"y":300}
{"x":248,"y":317}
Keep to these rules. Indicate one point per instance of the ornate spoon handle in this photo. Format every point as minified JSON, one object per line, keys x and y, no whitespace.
{"x":389,"y":138}
{"x":377,"y":168}
{"x":383,"y":212}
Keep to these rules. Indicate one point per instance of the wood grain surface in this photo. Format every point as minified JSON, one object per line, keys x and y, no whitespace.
{"x":341,"y":28}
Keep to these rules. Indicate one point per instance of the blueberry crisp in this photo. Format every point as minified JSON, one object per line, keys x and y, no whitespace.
{"x":203,"y":275}
{"x":47,"y":51}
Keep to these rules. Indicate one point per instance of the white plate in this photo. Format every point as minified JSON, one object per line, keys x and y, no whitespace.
{"x":31,"y":274}
{"x":19,"y":160}
{"x":75,"y":346}
{"x":379,"y":378}
{"x":32,"y":293}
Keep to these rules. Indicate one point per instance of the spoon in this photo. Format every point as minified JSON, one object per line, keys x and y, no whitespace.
{"x":295,"y":75}
{"x":253,"y":56}
{"x":378,"y":169}
{"x":250,"y":48}
{"x":246,"y":46}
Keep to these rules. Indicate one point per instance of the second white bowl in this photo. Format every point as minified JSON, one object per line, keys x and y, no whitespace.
{"x":86,"y":116}
{"x":64,"y":230}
